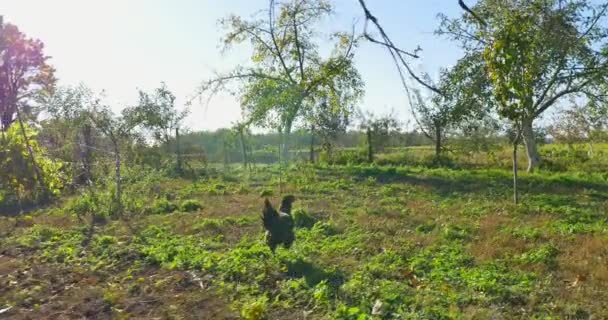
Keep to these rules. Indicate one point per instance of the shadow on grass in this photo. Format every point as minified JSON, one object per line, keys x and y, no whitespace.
{"x":446,"y":182}
{"x":313,"y":274}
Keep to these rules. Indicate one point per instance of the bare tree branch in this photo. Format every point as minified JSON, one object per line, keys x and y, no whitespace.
{"x":398,"y":53}
{"x":471,"y":12}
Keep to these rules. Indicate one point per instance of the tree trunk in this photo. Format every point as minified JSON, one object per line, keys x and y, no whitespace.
{"x":225,"y":152}
{"x":312,"y":144}
{"x":118,"y":178}
{"x":178,"y":151}
{"x":515,"y":194}
{"x":285,"y":145}
{"x":437,"y":141}
{"x":86,"y":153}
{"x":243,"y":149}
{"x":370,"y":150}
{"x":531,"y":149}
{"x":30,"y":152}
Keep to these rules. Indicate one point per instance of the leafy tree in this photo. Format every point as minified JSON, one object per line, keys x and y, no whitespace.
{"x":581,"y":122}
{"x":156,"y":113}
{"x":19,"y":181}
{"x":377,"y":129}
{"x":536,"y":53}
{"x":241,"y":130}
{"x":462,"y":102}
{"x":118,"y":130}
{"x":327,"y":121}
{"x":24,"y":72}
{"x":288,"y":76}
{"x":68,"y":131}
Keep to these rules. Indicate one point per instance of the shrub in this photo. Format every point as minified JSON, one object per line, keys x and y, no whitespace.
{"x":545,"y":254}
{"x":163,"y":206}
{"x":266,"y":193}
{"x":303,"y":219}
{"x":190,"y":205}
{"x":82,"y":205}
{"x":255,"y":310}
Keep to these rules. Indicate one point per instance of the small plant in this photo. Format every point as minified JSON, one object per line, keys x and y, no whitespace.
{"x":161,"y":206}
{"x":266,"y":193}
{"x":426,"y":227}
{"x":218,"y":189}
{"x":190,"y":206}
{"x":353,"y":313}
{"x":255,"y":310}
{"x":545,"y":254}
{"x":303,"y":219}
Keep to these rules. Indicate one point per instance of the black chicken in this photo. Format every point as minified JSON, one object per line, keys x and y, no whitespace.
{"x":279,"y":225}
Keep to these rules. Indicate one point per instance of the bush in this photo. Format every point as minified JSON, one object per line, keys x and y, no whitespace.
{"x":163,"y":206}
{"x":255,"y":310}
{"x":82,"y":205}
{"x":303,"y":219}
{"x":190,"y":205}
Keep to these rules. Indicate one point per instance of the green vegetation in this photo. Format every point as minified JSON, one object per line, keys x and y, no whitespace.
{"x":418,"y":242}
{"x":129,"y":215}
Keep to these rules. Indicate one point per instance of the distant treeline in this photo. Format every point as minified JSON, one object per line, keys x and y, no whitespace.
{"x":223,"y":145}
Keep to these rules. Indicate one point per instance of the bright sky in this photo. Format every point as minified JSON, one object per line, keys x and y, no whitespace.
{"x":121,"y":46}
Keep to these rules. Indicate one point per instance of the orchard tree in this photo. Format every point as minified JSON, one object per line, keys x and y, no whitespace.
{"x":378,"y":130}
{"x":157,"y":113}
{"x":581,"y":122}
{"x":24,"y":77}
{"x":327,"y":121}
{"x":288,"y":76}
{"x":68,"y":130}
{"x":24,"y":72}
{"x":536,"y":53}
{"x":118,"y":131}
{"x":20,"y":181}
{"x":462,"y":100}
{"x":242,"y":132}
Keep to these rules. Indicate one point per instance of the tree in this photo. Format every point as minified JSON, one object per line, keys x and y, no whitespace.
{"x":462,"y":100}
{"x":241,"y":130}
{"x":157,"y":114}
{"x":24,"y":72}
{"x":377,"y":129}
{"x":68,"y":130}
{"x":19,"y":180}
{"x":118,"y":131}
{"x":536,"y":53}
{"x":581,"y":122}
{"x":327,"y":121}
{"x":288,"y":75}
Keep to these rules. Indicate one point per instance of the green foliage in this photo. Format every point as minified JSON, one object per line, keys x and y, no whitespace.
{"x":411,"y":243}
{"x":545,"y":254}
{"x":302,"y":219}
{"x":190,"y":205}
{"x":20,"y":182}
{"x":255,"y":310}
{"x":294,"y":81}
{"x":83,"y":205}
{"x":160,"y":206}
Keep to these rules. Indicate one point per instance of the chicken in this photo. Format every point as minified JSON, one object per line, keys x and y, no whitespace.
{"x":279,"y":224}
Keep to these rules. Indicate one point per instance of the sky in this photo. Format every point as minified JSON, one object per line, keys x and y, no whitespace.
{"x":122,"y":46}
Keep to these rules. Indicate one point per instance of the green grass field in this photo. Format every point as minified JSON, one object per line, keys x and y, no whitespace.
{"x":372,"y":242}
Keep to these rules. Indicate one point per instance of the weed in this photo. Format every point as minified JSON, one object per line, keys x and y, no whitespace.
{"x":302,"y":219}
{"x":190,"y":206}
{"x":160,"y":206}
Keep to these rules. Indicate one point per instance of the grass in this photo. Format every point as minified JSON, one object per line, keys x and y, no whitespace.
{"x":406,"y":242}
